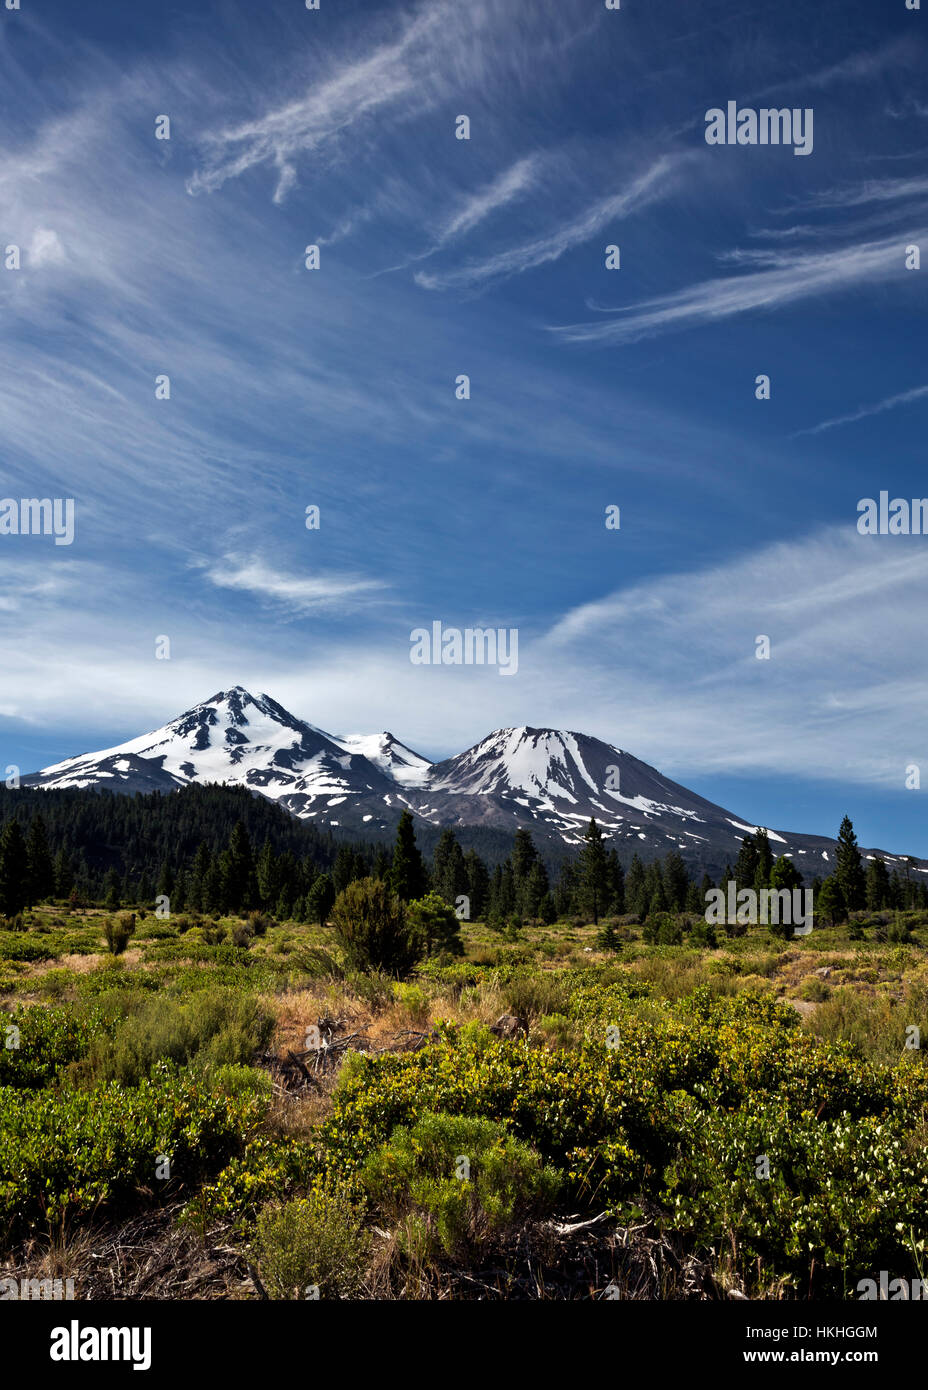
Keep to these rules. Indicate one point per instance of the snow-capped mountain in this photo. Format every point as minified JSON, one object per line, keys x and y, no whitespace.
{"x":238,"y":738}
{"x":549,"y":780}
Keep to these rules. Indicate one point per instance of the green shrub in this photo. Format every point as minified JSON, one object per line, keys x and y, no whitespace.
{"x":49,"y":1040}
{"x":236,"y":1079}
{"x":662,"y":929}
{"x":218,"y":1027}
{"x":837,"y":1203}
{"x":414,"y":1000}
{"x":118,"y":931}
{"x":316,"y":1240}
{"x":461,"y":1179}
{"x":558,"y":1030}
{"x":531,"y":996}
{"x":14,"y":947}
{"x":373,"y":929}
{"x":259,"y":923}
{"x":64,"y":1152}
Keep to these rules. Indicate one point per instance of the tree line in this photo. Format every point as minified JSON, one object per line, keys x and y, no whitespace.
{"x":220,"y":850}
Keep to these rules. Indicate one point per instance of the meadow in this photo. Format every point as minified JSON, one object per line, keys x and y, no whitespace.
{"x":228,"y":1108}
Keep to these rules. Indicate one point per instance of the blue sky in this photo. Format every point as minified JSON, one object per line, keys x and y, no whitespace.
{"x":590,"y":387}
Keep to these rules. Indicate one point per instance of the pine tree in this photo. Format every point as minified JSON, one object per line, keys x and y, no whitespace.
{"x":829,"y":901}
{"x":320,"y":899}
{"x":547,"y":911}
{"x":166,"y":880}
{"x":524,"y":855}
{"x":634,"y":887}
{"x":594,"y":874}
{"x":64,"y":874}
{"x":567,"y":890}
{"x":764,"y":865}
{"x":343,"y":871}
{"x":267,"y":876}
{"x":616,"y":890}
{"x":506,"y":903}
{"x":534,"y":890}
{"x":784,"y":874}
{"x":877,"y":885}
{"x":849,"y":868}
{"x":113,"y":890}
{"x":746,"y":866}
{"x":408,"y":879}
{"x":198,"y":894}
{"x":477,"y":885}
{"x":239,"y":888}
{"x":675,"y":881}
{"x":449,"y":871}
{"x":41,"y":865}
{"x":14,"y":870}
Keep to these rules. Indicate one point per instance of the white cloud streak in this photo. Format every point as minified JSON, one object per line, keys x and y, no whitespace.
{"x":789,"y":278}
{"x":654,"y":184}
{"x":889,"y":403}
{"x":301,"y":593}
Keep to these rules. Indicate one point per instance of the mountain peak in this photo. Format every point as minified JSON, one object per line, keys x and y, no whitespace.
{"x":552,"y":780}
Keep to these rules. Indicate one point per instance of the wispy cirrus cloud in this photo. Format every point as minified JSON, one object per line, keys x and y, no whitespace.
{"x":786,"y":279}
{"x":647,"y":188}
{"x":441,"y":48}
{"x":357,"y":88}
{"x":863,"y":194}
{"x":864,"y":66}
{"x":512,"y":183}
{"x":300,"y":593}
{"x":819,"y":705}
{"x":889,"y":403}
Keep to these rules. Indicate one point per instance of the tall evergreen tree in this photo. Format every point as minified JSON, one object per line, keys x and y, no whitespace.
{"x":14,"y":870}
{"x":634,"y":887}
{"x":567,"y":890}
{"x":524,"y":855}
{"x":41,"y":864}
{"x":849,"y":869}
{"x":267,"y":876}
{"x":784,"y":874}
{"x":877,"y":886}
{"x":113,"y":890}
{"x":449,"y":872}
{"x":675,"y":881}
{"x":764,"y":865}
{"x":829,"y":901}
{"x":408,"y":879}
{"x":594,"y":873}
{"x":64,"y":874}
{"x":320,"y":899}
{"x":746,"y":865}
{"x":239,"y":889}
{"x":478,"y":885}
{"x":534,"y":890}
{"x":616,"y":889}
